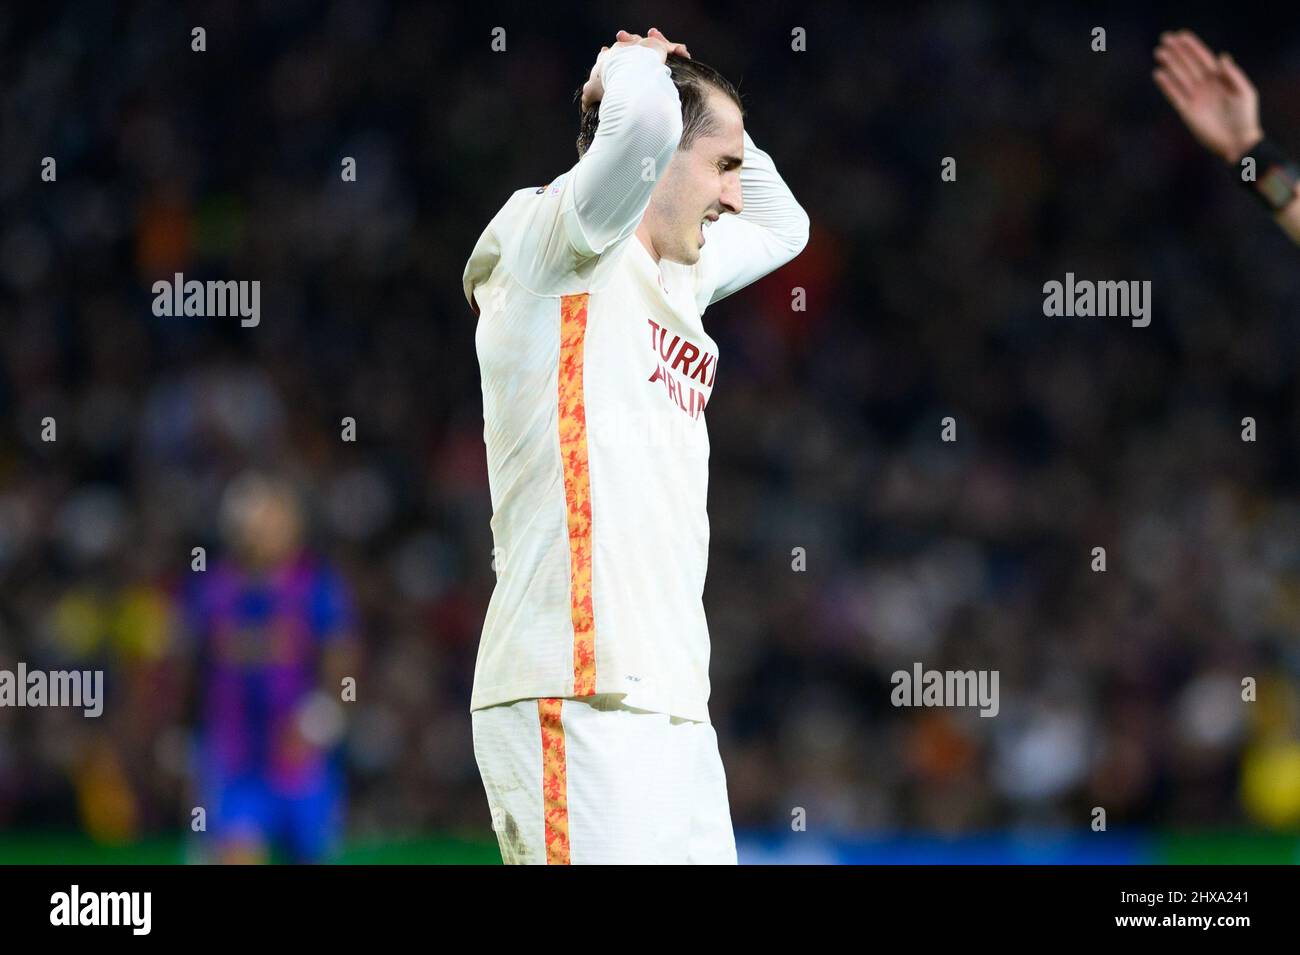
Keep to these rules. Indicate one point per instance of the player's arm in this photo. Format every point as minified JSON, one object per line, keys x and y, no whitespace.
{"x":640,"y":125}
{"x":1220,"y":106}
{"x":770,"y":230}
{"x":332,"y":619}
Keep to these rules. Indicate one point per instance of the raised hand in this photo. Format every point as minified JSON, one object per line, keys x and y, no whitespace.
{"x":1211,"y":94}
{"x":594,"y":89}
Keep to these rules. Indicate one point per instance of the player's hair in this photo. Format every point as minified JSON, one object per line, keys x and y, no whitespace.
{"x":693,"y":80}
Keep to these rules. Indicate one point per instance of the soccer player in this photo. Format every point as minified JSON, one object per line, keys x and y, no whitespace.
{"x":590,"y":701}
{"x":273,"y":628}
{"x":1221,"y":108}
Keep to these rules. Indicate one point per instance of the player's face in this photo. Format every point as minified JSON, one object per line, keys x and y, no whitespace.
{"x":700,"y":183}
{"x":269,"y":528}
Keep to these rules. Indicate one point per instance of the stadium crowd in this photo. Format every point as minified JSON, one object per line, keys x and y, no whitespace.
{"x":1120,"y":689}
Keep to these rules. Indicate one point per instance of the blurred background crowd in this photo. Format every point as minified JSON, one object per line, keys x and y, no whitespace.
{"x":1120,"y":689}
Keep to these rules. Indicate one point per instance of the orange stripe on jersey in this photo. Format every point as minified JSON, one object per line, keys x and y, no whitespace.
{"x":555,"y":783}
{"x":577,"y":490}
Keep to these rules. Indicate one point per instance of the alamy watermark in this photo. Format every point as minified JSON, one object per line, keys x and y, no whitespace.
{"x":1086,"y":298}
{"x":75,"y":907}
{"x":76,"y":688}
{"x":211,"y":299}
{"x":923,"y":687}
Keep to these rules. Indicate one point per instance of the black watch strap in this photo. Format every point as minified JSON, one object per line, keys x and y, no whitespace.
{"x":1276,"y":175}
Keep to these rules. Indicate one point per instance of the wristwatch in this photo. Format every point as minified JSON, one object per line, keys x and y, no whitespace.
{"x":1276,"y":175}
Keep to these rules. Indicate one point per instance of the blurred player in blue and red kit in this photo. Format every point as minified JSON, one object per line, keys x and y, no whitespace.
{"x":273,"y":631}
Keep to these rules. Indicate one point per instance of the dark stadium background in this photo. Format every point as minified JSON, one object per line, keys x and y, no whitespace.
{"x":924,"y":298}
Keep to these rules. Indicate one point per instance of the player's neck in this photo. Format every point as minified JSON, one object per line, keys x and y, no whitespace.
{"x":643,"y":235}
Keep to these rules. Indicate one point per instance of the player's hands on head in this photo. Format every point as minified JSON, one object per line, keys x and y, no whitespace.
{"x":594,"y":89}
{"x":656,"y":39}
{"x":1210,"y":93}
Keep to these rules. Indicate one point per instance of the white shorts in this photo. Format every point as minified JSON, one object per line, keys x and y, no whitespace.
{"x":582,"y":781}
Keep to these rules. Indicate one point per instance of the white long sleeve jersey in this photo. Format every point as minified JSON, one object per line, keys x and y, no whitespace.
{"x":596,"y":370}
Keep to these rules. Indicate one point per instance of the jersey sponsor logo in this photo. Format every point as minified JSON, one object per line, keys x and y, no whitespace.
{"x":692,"y":361}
